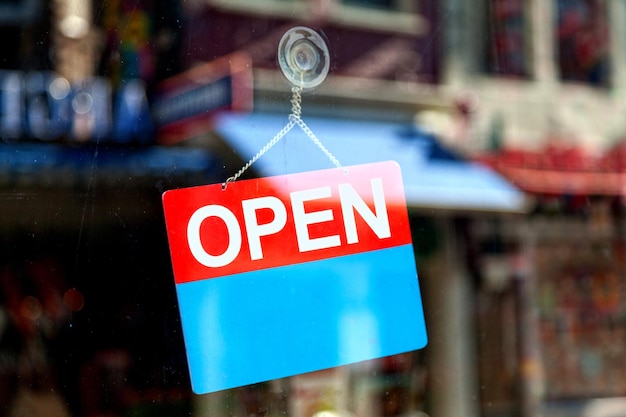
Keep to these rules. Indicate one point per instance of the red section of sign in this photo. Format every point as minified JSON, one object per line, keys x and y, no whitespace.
{"x":275,"y":221}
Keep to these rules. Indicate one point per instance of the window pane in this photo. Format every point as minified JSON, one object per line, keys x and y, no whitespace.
{"x":506,"y":42}
{"x":583,"y":41}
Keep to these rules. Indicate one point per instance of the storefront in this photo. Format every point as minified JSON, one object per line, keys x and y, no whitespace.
{"x":572,"y":310}
{"x":86,"y":281}
{"x":90,"y":214}
{"x":81,"y":179}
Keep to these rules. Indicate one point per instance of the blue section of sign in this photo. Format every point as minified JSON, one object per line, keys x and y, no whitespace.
{"x":267,"y":324}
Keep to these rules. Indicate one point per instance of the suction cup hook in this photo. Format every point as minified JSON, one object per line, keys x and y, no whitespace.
{"x":303,"y":57}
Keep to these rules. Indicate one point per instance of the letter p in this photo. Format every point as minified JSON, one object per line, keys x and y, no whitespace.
{"x":255,"y":230}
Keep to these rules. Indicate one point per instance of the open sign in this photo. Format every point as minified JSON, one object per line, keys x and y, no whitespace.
{"x":284,"y":275}
{"x":350,"y":200}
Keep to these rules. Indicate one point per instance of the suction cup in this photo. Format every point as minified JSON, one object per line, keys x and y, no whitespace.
{"x":303,"y":57}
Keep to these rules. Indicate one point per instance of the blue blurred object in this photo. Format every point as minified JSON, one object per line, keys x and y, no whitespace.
{"x":48,"y":162}
{"x":434,"y":177}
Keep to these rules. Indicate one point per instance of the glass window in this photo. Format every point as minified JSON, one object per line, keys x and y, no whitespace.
{"x":521,"y":261}
{"x":506,"y":40}
{"x":582,"y":39}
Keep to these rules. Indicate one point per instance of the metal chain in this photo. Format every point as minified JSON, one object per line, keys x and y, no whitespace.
{"x":260,"y":153}
{"x":314,"y":138}
{"x":294,"y":119}
{"x":296,"y":101}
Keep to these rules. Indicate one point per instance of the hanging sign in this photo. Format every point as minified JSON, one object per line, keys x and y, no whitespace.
{"x":284,"y":275}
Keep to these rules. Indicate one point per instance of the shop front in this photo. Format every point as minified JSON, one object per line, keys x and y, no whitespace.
{"x":85,"y":268}
{"x":88,"y":284}
{"x":85,"y":288}
{"x":573,"y":313}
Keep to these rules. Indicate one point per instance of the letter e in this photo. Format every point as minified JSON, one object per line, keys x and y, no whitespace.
{"x":302,"y":220}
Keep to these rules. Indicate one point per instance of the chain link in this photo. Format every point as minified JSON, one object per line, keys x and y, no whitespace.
{"x":296,"y":102}
{"x":314,"y":138}
{"x":294,"y":119}
{"x":260,"y":153}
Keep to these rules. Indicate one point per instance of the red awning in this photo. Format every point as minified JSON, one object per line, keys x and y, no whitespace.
{"x":562,"y":170}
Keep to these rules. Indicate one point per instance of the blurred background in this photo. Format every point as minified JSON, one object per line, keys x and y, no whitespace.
{"x":505,"y":115}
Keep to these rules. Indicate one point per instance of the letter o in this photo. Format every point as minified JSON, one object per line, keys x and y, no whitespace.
{"x":195,"y":243}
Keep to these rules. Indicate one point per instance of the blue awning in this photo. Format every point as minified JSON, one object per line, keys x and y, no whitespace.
{"x":433,"y":176}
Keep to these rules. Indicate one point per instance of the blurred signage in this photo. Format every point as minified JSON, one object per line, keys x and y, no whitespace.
{"x":20,"y":12}
{"x":284,"y":275}
{"x":45,"y":106}
{"x":187,"y":102}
